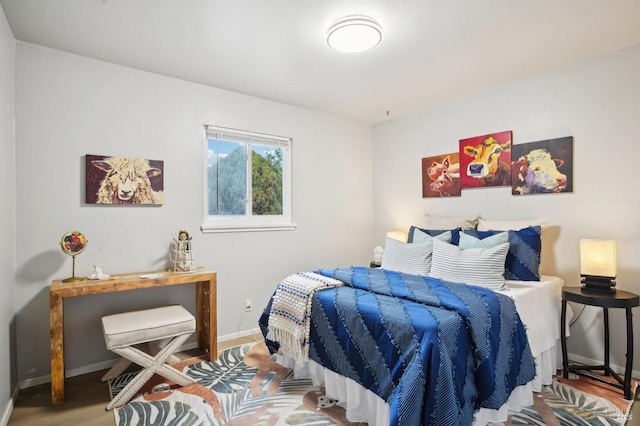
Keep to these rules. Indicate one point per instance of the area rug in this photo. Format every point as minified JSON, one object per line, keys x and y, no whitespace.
{"x":245,"y":386}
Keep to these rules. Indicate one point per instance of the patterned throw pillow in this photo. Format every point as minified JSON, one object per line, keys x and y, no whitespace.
{"x":523,"y":258}
{"x":475,"y":266}
{"x":414,"y":258}
{"x":417,"y":234}
{"x":510,"y":225}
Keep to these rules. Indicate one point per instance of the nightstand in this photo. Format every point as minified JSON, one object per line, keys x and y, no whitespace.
{"x":618,"y":299}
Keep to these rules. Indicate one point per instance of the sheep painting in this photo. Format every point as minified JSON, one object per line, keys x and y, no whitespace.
{"x":120,"y":180}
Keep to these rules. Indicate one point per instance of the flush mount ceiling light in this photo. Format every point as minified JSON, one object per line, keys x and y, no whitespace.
{"x":354,"y":34}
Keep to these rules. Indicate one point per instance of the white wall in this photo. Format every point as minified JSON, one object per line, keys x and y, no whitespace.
{"x":68,"y":106}
{"x":7,"y":219}
{"x":596,"y":102}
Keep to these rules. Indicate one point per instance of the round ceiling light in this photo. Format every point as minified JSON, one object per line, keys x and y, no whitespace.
{"x":354,"y":34}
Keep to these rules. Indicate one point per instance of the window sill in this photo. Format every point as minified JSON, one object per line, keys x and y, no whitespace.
{"x":209,"y":228}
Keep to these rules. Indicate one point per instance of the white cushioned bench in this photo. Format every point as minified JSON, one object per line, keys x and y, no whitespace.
{"x":123,"y":331}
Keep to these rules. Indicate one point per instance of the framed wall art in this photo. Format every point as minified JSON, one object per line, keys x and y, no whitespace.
{"x":486,"y":160}
{"x":542,"y":167}
{"x":123,"y":181}
{"x":441,"y":176}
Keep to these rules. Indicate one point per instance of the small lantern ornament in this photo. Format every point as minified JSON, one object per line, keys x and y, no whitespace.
{"x":182,"y":254}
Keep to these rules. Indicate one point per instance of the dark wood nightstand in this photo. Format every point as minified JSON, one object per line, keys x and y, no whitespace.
{"x":618,"y":299}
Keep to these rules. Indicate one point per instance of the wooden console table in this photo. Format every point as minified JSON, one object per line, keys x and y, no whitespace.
{"x":206,"y":311}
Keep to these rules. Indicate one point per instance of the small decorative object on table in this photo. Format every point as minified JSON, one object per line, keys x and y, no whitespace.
{"x":377,"y":254}
{"x":182,"y":253}
{"x":98,"y":274}
{"x":377,"y":257}
{"x":73,"y":243}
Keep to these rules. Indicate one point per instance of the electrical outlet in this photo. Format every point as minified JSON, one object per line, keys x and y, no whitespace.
{"x":248,"y":305}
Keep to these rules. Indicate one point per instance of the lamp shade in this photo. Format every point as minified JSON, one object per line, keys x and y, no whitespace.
{"x":398,"y":235}
{"x":598,"y":258}
{"x":354,"y":34}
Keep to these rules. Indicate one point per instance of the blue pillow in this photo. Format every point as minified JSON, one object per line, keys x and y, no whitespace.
{"x":523,"y":258}
{"x":455,"y":233}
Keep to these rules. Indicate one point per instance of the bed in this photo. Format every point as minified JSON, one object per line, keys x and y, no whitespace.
{"x":405,"y":348}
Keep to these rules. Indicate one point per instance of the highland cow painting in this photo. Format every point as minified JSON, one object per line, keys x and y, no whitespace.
{"x":124,"y":181}
{"x":486,"y":160}
{"x":543,"y":167}
{"x":441,"y":176}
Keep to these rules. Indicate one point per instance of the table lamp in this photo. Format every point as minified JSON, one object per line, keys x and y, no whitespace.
{"x":398,"y":235}
{"x":598,"y":267}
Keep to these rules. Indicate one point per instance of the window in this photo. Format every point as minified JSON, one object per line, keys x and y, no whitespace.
{"x":248,"y":181}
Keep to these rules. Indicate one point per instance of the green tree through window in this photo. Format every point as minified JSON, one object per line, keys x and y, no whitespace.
{"x":266,"y":175}
{"x":239,"y":188}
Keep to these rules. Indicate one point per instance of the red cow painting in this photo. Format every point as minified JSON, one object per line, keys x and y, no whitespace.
{"x":543,"y":167}
{"x":123,"y":181}
{"x":441,"y":176}
{"x":486,"y":160}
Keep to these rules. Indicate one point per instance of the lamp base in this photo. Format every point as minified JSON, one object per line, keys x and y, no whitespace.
{"x":600,"y":285}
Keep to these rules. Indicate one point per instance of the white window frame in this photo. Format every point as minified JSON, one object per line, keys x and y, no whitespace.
{"x":248,"y":222}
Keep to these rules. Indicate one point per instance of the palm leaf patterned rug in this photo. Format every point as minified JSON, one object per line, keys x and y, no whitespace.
{"x":245,"y":386}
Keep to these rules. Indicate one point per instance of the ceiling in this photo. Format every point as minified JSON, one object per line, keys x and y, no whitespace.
{"x":434,"y":51}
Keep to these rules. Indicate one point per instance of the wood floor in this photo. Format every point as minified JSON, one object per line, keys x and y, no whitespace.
{"x":86,"y":399}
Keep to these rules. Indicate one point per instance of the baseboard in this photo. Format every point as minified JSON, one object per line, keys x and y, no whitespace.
{"x":239,"y":334}
{"x":6,"y":413}
{"x":4,"y":421}
{"x":105,"y":365}
{"x":588,"y":361}
{"x":98,"y":366}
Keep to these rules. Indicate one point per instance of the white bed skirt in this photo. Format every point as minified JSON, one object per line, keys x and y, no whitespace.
{"x":362,"y":405}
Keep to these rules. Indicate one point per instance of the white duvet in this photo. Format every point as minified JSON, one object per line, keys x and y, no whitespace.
{"x":538,"y":304}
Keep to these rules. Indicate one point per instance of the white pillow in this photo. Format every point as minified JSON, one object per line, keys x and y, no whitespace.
{"x":475,"y":266}
{"x":450,"y":222}
{"x":511,"y":225}
{"x":410,"y":258}
{"x":469,"y":241}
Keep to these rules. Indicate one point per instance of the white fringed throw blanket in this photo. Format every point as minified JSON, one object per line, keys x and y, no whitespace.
{"x":290,"y":316}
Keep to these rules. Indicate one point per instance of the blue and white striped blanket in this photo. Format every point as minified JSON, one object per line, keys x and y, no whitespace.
{"x":290,"y":314}
{"x":435,"y":351}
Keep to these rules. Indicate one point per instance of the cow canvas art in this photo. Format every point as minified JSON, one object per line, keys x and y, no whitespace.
{"x":486,"y":160}
{"x":441,"y":176}
{"x":123,"y":181}
{"x":543,"y":167}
